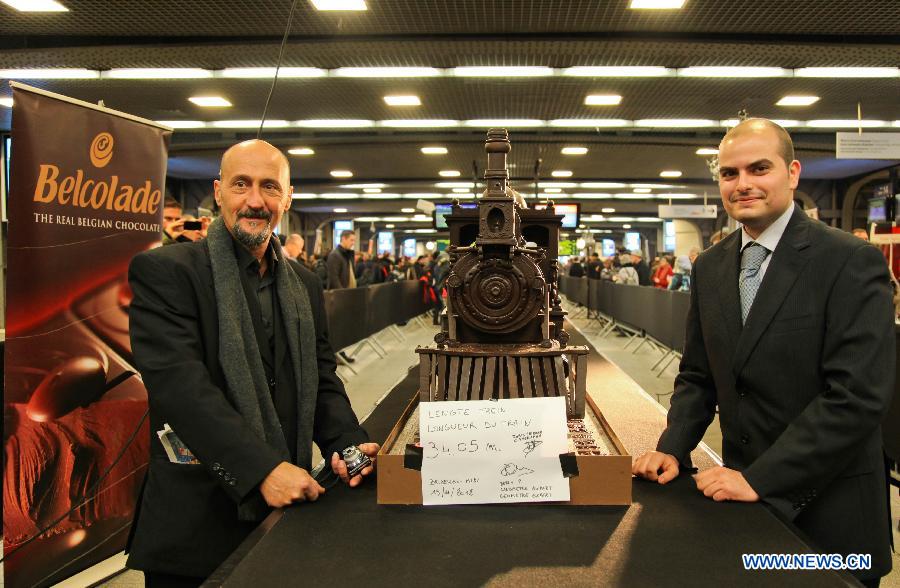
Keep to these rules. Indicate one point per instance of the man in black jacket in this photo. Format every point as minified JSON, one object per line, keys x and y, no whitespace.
{"x":341,"y":273}
{"x":790,"y":334}
{"x":641,"y":267}
{"x":231,"y":342}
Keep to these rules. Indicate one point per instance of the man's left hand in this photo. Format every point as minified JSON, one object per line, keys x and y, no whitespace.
{"x":721,"y":483}
{"x":339,"y":467}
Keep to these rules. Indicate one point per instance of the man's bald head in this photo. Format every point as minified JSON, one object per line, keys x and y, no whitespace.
{"x":239,"y":151}
{"x":762,"y":125}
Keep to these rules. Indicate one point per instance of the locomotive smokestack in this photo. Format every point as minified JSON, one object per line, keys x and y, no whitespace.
{"x":496,"y":175}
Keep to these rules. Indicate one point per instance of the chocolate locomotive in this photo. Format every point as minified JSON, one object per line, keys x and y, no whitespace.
{"x":502,"y":331}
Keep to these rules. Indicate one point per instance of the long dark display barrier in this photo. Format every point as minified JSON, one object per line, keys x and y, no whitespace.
{"x":661,"y":314}
{"x":357,"y":313}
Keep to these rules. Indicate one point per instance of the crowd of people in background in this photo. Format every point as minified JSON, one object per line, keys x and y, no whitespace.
{"x":667,"y":272}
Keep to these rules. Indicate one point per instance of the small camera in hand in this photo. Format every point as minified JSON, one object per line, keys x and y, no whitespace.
{"x":355,"y":459}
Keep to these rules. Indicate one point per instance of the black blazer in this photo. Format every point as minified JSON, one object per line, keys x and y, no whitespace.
{"x":186,"y":521}
{"x":801,"y":387}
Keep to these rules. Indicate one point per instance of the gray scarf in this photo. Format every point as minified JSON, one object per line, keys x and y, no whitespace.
{"x":242,"y":364}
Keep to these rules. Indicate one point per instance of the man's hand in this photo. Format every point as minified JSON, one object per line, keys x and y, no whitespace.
{"x":340,"y":468}
{"x":656,"y":467}
{"x":721,"y":483}
{"x":174,"y":229}
{"x":287,"y":483}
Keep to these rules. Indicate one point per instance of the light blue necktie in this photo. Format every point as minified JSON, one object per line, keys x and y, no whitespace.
{"x":752,"y":258}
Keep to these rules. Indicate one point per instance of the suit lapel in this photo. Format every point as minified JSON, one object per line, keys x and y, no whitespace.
{"x":727,"y":288}
{"x":788,"y":260}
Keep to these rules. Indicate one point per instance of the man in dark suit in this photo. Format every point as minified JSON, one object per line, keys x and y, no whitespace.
{"x":791,"y":334}
{"x":230,"y":338}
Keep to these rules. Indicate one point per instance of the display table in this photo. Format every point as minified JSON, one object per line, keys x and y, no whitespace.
{"x":670,"y":536}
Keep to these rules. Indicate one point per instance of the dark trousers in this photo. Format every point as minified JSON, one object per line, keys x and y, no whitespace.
{"x":157,"y":580}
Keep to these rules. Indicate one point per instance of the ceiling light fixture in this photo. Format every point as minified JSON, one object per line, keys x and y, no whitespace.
{"x":847,"y":72}
{"x":340,"y":210}
{"x":249,"y":124}
{"x":561,"y":173}
{"x":845,"y":124}
{"x":362,"y":186}
{"x":422,"y":195}
{"x":618,"y":72}
{"x":157,"y":73}
{"x":434,"y":150}
{"x":408,"y":100}
{"x":670,"y":174}
{"x":210,"y":101}
{"x":387,"y":72}
{"x":642,"y":190}
{"x":675,"y":123}
{"x":602,"y":99}
{"x":304,"y":196}
{"x":733,"y":72}
{"x":389,"y":226}
{"x":469,"y":185}
{"x":340,"y":4}
{"x":504,"y":123}
{"x":707,"y":151}
{"x":545,"y":185}
{"x":656,"y":4}
{"x":338,"y":196}
{"x":269,"y":72}
{"x":449,"y":173}
{"x":574,"y":150}
{"x":341,"y":173}
{"x":49,"y":74}
{"x":590,"y":122}
{"x":602,"y":185}
{"x":418,"y":123}
{"x":553,"y":190}
{"x":797,"y":101}
{"x":607,"y":210}
{"x":372,"y":190}
{"x":334,"y":123}
{"x":407,"y":210}
{"x":461,"y":190}
{"x":502,"y":71}
{"x":36,"y":5}
{"x":385,"y":196}
{"x":301,"y":151}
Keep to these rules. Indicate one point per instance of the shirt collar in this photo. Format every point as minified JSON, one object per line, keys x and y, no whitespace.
{"x":246,"y":261}
{"x":770,"y":237}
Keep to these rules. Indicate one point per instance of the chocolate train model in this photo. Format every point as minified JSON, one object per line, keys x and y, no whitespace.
{"x":502,"y":337}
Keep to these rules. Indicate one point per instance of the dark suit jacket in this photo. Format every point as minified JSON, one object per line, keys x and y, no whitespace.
{"x":801,"y":387}
{"x":187,"y":519}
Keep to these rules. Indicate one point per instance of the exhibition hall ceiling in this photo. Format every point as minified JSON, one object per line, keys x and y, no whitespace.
{"x":627,"y":143}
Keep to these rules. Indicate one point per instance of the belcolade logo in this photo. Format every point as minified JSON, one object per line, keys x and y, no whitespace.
{"x":82,"y":191}
{"x":102,"y":149}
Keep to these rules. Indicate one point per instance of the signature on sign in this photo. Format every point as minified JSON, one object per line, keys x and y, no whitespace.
{"x":511,"y":469}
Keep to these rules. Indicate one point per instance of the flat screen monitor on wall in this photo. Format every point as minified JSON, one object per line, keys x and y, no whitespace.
{"x":877,"y":212}
{"x":442,"y":210}
{"x":385,"y":243}
{"x":569,"y":212}
{"x":409,"y":248}
{"x":632,"y":241}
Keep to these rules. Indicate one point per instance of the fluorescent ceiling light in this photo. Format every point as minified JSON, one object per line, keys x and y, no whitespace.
{"x":732,"y":72}
{"x":36,"y":5}
{"x":49,"y":74}
{"x":422,"y":195}
{"x":386,"y":72}
{"x":670,"y":174}
{"x":249,"y":124}
{"x":592,"y":196}
{"x":403,"y":100}
{"x":389,"y":226}
{"x":340,"y":210}
{"x":504,"y":123}
{"x":502,"y":71}
{"x":419,"y":123}
{"x":607,"y":210}
{"x":656,"y":4}
{"x":574,"y":150}
{"x":649,"y":219}
{"x":340,"y":4}
{"x":367,"y":219}
{"x":675,"y":123}
{"x":590,"y":122}
{"x":372,"y":190}
{"x":553,"y":190}
{"x":7,"y":102}
{"x":183,"y":124}
{"x":341,"y":173}
{"x":461,"y":190}
{"x":424,"y":232}
{"x":629,"y":196}
{"x":338,"y":196}
{"x":621,"y":219}
{"x":733,"y":122}
{"x":460,"y":195}
{"x":408,"y":210}
{"x":561,"y":173}
{"x":304,"y":196}
{"x":642,"y":190}
{"x":657,"y":186}
{"x":334,"y":123}
{"x":543,"y":185}
{"x":158,"y":73}
{"x":396,"y":219}
{"x":434,"y":150}
{"x":210,"y":101}
{"x":676,"y":196}
{"x":469,"y":185}
{"x":618,"y":72}
{"x":602,"y":99}
{"x":449,"y":173}
{"x":269,"y":72}
{"x":362,"y":186}
{"x":385,"y":196}
{"x":845,"y":124}
{"x":602,"y":185}
{"x":847,"y":72}
{"x":301,"y":151}
{"x":897,"y":123}
{"x":707,"y":151}
{"x":797,"y":101}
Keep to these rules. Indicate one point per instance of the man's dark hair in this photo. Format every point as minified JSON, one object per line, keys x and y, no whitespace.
{"x":172,"y":203}
{"x":346,"y":233}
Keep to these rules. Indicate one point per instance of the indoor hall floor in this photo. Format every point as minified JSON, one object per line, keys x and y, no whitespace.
{"x":378,"y":375}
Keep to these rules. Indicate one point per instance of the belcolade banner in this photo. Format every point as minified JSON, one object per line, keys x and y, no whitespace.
{"x":86,"y":194}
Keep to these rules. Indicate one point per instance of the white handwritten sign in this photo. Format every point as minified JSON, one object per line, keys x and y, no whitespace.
{"x":482,"y":451}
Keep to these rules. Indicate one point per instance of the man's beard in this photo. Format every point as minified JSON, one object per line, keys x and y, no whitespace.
{"x":251,"y":240}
